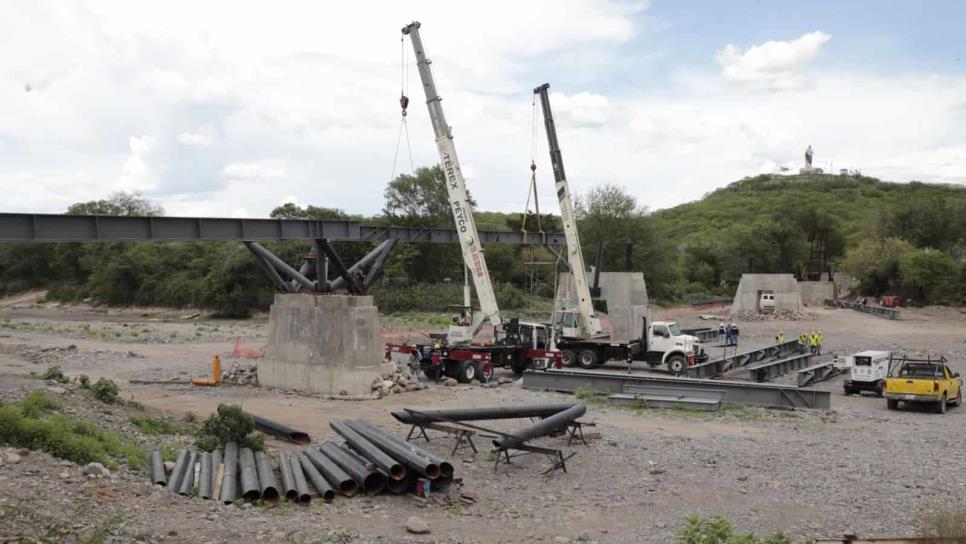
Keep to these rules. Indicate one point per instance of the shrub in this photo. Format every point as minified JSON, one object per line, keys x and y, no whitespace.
{"x":229,"y":424}
{"x":54,"y":373}
{"x":155,"y":426}
{"x":36,"y":403}
{"x":64,"y":436}
{"x":84,"y":381}
{"x":718,"y":530}
{"x":106,"y":391}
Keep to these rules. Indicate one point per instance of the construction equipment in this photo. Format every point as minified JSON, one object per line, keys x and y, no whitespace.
{"x":578,"y":334}
{"x":517,"y":345}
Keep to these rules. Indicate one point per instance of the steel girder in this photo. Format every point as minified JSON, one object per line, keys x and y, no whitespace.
{"x":762,"y":372}
{"x":760,"y":394}
{"x":818,"y":373}
{"x":878,"y":311}
{"x":29,"y":227}
{"x":288,"y":280}
{"x":740,"y":360}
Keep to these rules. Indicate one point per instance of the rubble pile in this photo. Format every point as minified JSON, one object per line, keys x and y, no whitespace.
{"x":748,"y":315}
{"x":240,"y":375}
{"x":396,"y":381}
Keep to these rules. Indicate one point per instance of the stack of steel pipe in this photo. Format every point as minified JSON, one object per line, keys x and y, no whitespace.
{"x":433,"y":466}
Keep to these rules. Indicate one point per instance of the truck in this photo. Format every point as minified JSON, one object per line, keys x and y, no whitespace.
{"x":460,"y":355}
{"x":868,"y":371}
{"x":578,"y":334}
{"x":923,"y":381}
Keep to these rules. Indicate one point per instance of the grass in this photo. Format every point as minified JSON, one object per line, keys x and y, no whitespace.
{"x":34,"y":424}
{"x":945,"y":522}
{"x":102,"y":532}
{"x":156,"y":426}
{"x":169,"y":451}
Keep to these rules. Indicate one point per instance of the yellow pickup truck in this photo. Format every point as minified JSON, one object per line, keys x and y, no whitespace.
{"x":927,"y":381}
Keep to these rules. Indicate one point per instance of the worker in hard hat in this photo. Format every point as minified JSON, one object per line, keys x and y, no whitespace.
{"x":721,"y":334}
{"x":821,"y":340}
{"x":780,"y":337}
{"x":802,"y":342}
{"x":813,"y":342}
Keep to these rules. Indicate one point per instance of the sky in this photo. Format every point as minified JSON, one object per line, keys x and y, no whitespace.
{"x":232,"y":108}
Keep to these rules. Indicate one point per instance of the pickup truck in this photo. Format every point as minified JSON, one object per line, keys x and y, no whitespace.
{"x":923,"y":381}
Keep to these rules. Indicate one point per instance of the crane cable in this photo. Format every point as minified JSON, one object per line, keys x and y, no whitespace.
{"x":532,"y":192}
{"x":403,"y":104}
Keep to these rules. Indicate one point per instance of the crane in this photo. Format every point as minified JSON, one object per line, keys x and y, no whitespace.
{"x":588,"y":325}
{"x":470,"y":244}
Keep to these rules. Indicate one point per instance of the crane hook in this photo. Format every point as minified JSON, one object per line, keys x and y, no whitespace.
{"x":404,"y":102}
{"x":533,"y":166}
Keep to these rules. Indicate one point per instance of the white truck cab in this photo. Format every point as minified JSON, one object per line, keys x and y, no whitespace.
{"x":867,"y":372}
{"x":766,"y":303}
{"x":668,"y":345}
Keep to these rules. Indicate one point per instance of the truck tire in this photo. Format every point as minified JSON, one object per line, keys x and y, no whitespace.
{"x":484,"y":372}
{"x":467,"y":372}
{"x":568,"y":357}
{"x":677,"y":364}
{"x":892,"y":404}
{"x":959,"y":398}
{"x":941,"y":405}
{"x":849,"y":391}
{"x":588,"y":359}
{"x":517,"y":367}
{"x":880,"y":389}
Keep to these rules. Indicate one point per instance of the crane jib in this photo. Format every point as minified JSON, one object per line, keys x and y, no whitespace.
{"x":450,"y":172}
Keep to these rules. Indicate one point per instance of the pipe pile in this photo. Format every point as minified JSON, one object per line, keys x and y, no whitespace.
{"x":371,"y":461}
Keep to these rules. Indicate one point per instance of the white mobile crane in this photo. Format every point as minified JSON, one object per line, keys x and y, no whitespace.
{"x":581,"y":339}
{"x":517,"y":345}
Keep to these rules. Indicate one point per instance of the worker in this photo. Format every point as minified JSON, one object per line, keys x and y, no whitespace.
{"x":734,"y":334}
{"x":813,"y":342}
{"x":727,"y":341}
{"x":780,"y":337}
{"x":818,"y":347}
{"x":802,"y":342}
{"x":721,"y":334}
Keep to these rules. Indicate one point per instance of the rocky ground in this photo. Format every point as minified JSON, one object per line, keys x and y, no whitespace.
{"x":859,"y":468}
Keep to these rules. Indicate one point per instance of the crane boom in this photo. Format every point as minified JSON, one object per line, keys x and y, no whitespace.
{"x":590,"y":323}
{"x":456,"y":189}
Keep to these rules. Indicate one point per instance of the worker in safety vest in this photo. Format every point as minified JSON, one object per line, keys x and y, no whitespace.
{"x":819,"y":342}
{"x":780,"y":337}
{"x":802,"y":342}
{"x":813,"y":342}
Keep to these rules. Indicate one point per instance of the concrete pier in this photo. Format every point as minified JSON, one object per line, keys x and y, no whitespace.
{"x":323,"y":344}
{"x":788,"y":297}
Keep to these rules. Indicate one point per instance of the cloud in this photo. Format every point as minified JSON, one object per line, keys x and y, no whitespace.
{"x":254,"y":170}
{"x":195,"y":139}
{"x":773,"y":65}
{"x":139,"y":174}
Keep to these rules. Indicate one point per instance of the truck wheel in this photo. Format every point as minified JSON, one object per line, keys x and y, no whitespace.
{"x":517,"y":368}
{"x":892,"y":404}
{"x":484,"y":372}
{"x":587,"y":359}
{"x":941,"y":405}
{"x":959,"y":398}
{"x":880,"y":389}
{"x":677,"y":364}
{"x":467,"y":372}
{"x":568,"y":357}
{"x":849,"y":391}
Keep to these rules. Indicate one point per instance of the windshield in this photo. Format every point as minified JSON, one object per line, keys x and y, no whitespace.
{"x":922,"y":370}
{"x":675,"y":331}
{"x":863,"y":361}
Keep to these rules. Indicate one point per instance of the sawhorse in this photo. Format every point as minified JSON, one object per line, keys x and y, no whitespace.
{"x":464,"y":437}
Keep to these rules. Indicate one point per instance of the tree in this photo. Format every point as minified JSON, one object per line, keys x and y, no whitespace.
{"x":929,"y":274}
{"x":121,"y":203}
{"x":290,"y":210}
{"x":420,"y":199}
{"x":875,"y":263}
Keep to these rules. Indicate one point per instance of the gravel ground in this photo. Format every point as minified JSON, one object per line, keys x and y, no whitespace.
{"x":859,"y":468}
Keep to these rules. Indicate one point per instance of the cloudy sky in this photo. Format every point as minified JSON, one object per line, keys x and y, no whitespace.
{"x":230,"y":108}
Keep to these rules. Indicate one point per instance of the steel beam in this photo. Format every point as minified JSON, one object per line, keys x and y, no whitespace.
{"x":762,"y":372}
{"x":760,"y":394}
{"x":706,"y":334}
{"x":279,"y":264}
{"x":720,"y":366}
{"x":28,"y":227}
{"x":818,"y":373}
{"x":878,"y":311}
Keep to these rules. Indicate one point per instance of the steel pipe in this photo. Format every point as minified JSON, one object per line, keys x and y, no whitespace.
{"x":371,"y":481}
{"x":229,"y":479}
{"x":288,"y":479}
{"x":157,"y":469}
{"x":312,"y":473}
{"x":392,"y":485}
{"x":277,"y":429}
{"x":556,"y":422}
{"x":415,"y":417}
{"x":204,"y":476}
{"x":335,"y":475}
{"x":370,"y":451}
{"x":188,"y":481}
{"x":266,"y":477}
{"x":249,"y":475}
{"x":301,"y":493}
{"x":215,"y":467}
{"x":415,"y":462}
{"x":174,"y":482}
{"x":445,"y":468}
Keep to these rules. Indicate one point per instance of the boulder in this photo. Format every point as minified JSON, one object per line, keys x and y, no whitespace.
{"x":417,"y":526}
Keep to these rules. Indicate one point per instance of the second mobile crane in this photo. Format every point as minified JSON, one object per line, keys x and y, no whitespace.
{"x":579,"y":335}
{"x":516,"y":345}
